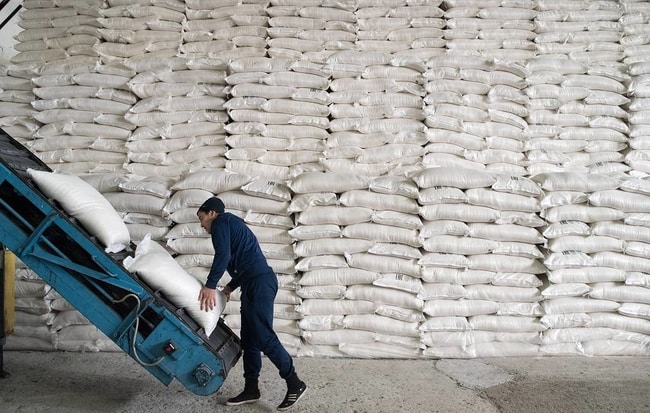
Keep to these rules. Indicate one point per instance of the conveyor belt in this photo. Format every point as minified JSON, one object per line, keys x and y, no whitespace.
{"x":142,"y":322}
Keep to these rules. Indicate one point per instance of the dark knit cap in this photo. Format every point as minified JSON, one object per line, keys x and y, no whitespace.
{"x":212,"y":204}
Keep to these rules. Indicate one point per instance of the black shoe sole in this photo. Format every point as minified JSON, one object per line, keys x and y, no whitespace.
{"x":229,"y":403}
{"x":281,"y":409}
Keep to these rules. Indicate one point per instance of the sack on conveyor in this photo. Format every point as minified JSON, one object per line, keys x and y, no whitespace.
{"x":83,"y":202}
{"x":155,"y":265}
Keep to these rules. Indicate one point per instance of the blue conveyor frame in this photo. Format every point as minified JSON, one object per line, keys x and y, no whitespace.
{"x":142,"y":322}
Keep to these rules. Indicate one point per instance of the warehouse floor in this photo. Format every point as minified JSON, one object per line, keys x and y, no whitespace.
{"x":58,"y":382}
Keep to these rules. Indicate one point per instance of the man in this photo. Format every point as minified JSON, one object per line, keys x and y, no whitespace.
{"x":238,"y":251}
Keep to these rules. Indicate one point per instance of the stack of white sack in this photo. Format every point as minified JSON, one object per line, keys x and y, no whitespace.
{"x":587,"y":260}
{"x":475,"y":113}
{"x":340,"y":305}
{"x":635,"y":45}
{"x":308,"y":32}
{"x":587,"y":33}
{"x":491,"y":29}
{"x":562,"y":29}
{"x":140,"y":201}
{"x":80,"y":101}
{"x":565,"y":141}
{"x":354,"y":226}
{"x":475,"y":108}
{"x":481,"y":263}
{"x":377,"y":92}
{"x":33,"y":313}
{"x":279,"y":118}
{"x":16,"y":111}
{"x":377,"y":119}
{"x":577,"y":89}
{"x":223,"y":30}
{"x":577,"y":124}
{"x":320,"y":250}
{"x":393,"y":234}
{"x":16,"y":92}
{"x":179,"y":117}
{"x":410,"y":31}
{"x":633,"y":294}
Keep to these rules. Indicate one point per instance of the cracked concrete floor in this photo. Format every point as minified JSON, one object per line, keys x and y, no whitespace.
{"x":60,"y":382}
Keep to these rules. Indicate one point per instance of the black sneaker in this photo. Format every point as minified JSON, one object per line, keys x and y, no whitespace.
{"x":247,"y":396}
{"x":292,"y":397}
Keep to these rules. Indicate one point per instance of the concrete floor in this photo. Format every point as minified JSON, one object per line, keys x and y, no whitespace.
{"x":58,"y":382}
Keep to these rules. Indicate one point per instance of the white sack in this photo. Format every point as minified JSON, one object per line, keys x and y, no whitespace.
{"x":160,"y":271}
{"x":83,"y":202}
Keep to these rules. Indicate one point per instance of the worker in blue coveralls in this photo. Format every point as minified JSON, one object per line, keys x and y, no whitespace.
{"x":238,"y":251}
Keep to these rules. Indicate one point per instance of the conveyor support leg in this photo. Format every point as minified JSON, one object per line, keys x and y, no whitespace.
{"x":7,"y":282}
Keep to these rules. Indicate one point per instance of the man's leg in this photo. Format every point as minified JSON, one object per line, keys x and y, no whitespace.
{"x":265,"y":291}
{"x":252,"y":359}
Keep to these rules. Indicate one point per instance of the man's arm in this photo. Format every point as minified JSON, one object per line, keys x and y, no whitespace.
{"x":220,"y":235}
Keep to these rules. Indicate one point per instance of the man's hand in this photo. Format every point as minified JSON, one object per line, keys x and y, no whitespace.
{"x":208,"y":298}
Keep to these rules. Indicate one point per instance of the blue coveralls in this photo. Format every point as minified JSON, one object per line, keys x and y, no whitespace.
{"x":238,"y":251}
